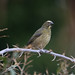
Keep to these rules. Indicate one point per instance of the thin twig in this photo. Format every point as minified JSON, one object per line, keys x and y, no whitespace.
{"x":3,"y":29}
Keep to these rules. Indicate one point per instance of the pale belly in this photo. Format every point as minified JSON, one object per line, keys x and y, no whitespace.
{"x":41,"y":43}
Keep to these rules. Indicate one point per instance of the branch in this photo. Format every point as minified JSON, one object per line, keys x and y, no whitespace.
{"x":37,"y":51}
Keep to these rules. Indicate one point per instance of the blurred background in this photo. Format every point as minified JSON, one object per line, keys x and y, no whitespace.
{"x":24,"y":17}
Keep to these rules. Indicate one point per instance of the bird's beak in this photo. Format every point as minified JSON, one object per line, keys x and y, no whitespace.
{"x":51,"y":22}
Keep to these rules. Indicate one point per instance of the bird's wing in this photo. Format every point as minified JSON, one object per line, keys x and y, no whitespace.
{"x":35,"y":36}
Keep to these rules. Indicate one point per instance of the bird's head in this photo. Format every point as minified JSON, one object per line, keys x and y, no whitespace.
{"x":47,"y":24}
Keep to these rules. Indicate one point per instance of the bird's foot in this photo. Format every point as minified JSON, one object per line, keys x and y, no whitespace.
{"x":50,"y":50}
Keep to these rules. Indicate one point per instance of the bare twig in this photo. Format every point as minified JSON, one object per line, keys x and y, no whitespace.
{"x":4,"y":36}
{"x":37,"y":51}
{"x":3,"y":29}
{"x":54,"y":58}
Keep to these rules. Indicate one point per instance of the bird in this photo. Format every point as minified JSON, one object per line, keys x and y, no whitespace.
{"x":41,"y":37}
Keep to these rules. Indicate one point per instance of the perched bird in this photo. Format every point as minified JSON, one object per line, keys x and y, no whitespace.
{"x":41,"y":37}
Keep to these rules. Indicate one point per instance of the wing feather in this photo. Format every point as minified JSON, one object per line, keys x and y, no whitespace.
{"x":35,"y":36}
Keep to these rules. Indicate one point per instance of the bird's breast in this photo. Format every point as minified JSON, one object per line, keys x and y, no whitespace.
{"x":43,"y":40}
